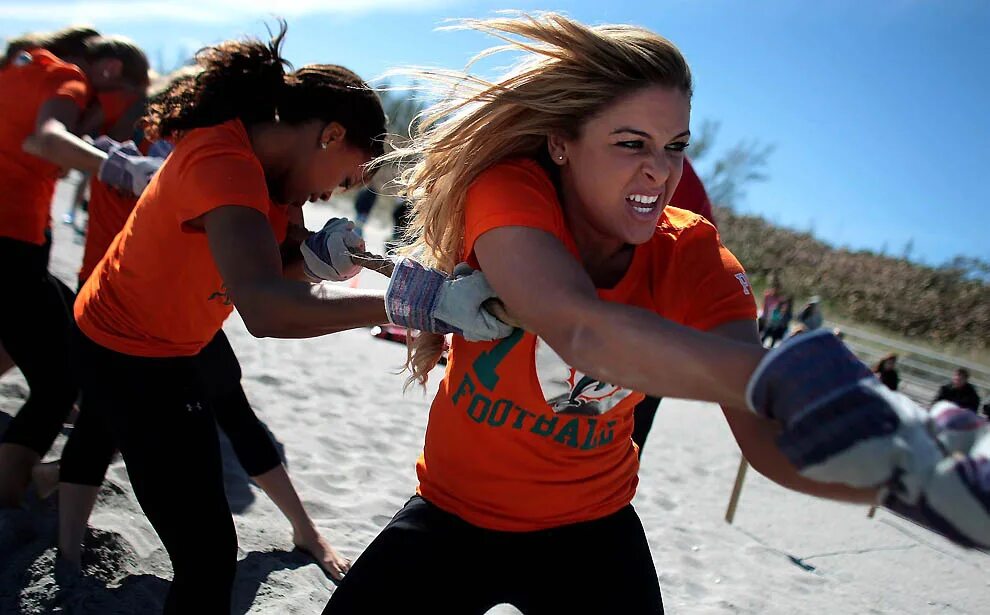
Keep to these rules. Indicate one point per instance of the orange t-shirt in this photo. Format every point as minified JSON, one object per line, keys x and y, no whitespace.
{"x":108,"y":212}
{"x":108,"y":208}
{"x":27,"y":183}
{"x":157,"y":291}
{"x":517,"y":440}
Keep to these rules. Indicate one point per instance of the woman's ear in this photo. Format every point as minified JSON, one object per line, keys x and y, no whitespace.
{"x":557,"y":148}
{"x":333,"y":132}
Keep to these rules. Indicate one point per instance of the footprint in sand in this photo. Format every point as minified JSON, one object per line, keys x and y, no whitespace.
{"x":267,"y":380}
{"x":664,"y":502}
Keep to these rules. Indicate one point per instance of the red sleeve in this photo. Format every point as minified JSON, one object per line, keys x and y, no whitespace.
{"x":716,"y":288}
{"x":68,"y":82}
{"x":691,"y":195}
{"x":514,"y":193}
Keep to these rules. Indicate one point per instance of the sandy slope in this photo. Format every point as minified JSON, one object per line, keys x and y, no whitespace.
{"x":350,"y":438}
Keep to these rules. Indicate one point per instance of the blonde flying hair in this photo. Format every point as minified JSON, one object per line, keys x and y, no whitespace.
{"x":569,"y":72}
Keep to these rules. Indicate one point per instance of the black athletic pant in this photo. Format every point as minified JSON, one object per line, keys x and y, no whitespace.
{"x":643,"y":416}
{"x":36,"y":329}
{"x":158,"y":415}
{"x":90,"y":447}
{"x":430,"y":561}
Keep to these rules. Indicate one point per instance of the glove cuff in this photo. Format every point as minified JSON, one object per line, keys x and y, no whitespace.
{"x":412,"y":295}
{"x":803,"y":368}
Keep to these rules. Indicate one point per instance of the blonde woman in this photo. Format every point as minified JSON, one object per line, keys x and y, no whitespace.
{"x":554,"y":180}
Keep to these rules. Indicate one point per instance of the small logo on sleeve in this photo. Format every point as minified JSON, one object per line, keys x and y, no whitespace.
{"x":744,"y":282}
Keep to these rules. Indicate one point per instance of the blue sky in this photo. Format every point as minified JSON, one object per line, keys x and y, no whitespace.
{"x":878,"y":109}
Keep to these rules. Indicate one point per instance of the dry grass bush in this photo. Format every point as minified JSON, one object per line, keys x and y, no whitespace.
{"x":940,"y":305}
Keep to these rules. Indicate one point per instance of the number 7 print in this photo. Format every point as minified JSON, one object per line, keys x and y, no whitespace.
{"x":487,"y":363}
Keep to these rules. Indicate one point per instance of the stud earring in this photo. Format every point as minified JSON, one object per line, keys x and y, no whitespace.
{"x":323,"y":145}
{"x":560,"y":157}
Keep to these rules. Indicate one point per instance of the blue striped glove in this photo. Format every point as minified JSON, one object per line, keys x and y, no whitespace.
{"x":126,"y":169}
{"x":428,"y":300}
{"x":841,"y":425}
{"x":326,"y":255}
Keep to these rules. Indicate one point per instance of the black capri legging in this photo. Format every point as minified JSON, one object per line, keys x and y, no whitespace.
{"x":37,"y":329}
{"x":427,"y":560}
{"x":162,"y":414}
{"x":90,"y":448}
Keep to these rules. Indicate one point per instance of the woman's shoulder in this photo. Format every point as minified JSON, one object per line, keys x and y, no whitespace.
{"x":679,"y":229}
{"x":677,"y":220}
{"x":513,"y":172}
{"x":222,"y":142}
{"x":230,"y":134}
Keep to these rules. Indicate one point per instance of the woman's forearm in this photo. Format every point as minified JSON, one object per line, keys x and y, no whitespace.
{"x":57,"y":145}
{"x":637,"y":349}
{"x":289,"y":309}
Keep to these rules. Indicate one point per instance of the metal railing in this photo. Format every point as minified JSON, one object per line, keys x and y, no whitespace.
{"x":922,"y":371}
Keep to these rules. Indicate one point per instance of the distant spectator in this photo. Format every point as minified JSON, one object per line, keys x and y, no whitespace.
{"x":363,"y":203}
{"x":772,"y":296}
{"x":778,"y":323}
{"x":886,"y":371}
{"x":811,"y":316}
{"x":839,"y":333}
{"x":986,"y":410}
{"x":960,"y":391}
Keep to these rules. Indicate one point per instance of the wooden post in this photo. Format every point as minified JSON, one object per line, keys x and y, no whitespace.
{"x":730,"y":512}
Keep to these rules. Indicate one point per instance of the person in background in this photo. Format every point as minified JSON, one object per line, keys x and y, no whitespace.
{"x":811,"y":316}
{"x":778,"y":323}
{"x":48,"y":83}
{"x":886,"y":371}
{"x":771,"y":297}
{"x":960,"y":391}
{"x":364,"y":202}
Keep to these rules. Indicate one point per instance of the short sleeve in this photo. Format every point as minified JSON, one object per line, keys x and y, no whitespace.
{"x":513,"y":193}
{"x":716,"y":289}
{"x":218,"y":177}
{"x":68,"y":82}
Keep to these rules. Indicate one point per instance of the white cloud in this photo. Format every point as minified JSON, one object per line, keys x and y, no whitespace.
{"x":202,"y":11}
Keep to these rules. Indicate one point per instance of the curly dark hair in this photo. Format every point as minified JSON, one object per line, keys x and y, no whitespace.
{"x":247,"y":80}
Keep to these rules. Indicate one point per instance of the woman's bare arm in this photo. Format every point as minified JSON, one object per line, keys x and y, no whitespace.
{"x":757,"y":438}
{"x":247,"y":256}
{"x":547,"y":289}
{"x":55,"y":141}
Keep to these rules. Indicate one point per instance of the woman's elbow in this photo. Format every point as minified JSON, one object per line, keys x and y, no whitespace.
{"x":577,"y":341}
{"x":258,"y":319}
{"x":259,"y":327}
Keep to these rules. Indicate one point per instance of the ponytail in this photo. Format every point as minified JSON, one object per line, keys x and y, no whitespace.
{"x":237,"y":80}
{"x":247,"y":80}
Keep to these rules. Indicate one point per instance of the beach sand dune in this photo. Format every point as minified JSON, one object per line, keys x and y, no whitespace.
{"x":350,"y":438}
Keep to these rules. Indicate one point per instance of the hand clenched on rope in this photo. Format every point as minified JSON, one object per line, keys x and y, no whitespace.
{"x":841,"y":425}
{"x":418,"y":297}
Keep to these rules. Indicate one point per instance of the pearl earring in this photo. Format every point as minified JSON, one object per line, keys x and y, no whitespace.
{"x":560,"y":157}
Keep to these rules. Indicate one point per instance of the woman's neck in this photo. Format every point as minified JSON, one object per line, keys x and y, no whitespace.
{"x":605,"y":258}
{"x":272,"y":144}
